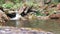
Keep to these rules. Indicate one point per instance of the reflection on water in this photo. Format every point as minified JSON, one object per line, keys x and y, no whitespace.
{"x":11,"y":23}
{"x":48,"y":25}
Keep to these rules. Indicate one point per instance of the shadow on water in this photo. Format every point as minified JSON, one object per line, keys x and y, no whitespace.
{"x":48,"y":25}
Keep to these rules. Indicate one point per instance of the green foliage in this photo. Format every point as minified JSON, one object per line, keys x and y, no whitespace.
{"x":55,"y":1}
{"x":30,"y":3}
{"x":39,"y":13}
{"x":1,"y":2}
{"x":8,"y":5}
{"x":17,"y":5}
{"x":16,"y":1}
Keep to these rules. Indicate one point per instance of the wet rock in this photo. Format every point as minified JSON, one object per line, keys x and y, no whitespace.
{"x":49,"y":33}
{"x":13,"y":30}
{"x":55,"y":16}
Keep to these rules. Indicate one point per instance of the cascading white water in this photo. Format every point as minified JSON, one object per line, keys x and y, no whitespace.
{"x":17,"y":18}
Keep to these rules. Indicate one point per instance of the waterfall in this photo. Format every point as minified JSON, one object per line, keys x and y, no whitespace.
{"x":17,"y":18}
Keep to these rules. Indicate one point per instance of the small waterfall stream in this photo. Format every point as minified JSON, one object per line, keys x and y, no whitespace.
{"x":17,"y":18}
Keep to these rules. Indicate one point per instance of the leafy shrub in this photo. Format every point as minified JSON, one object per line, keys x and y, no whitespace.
{"x":8,"y":5}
